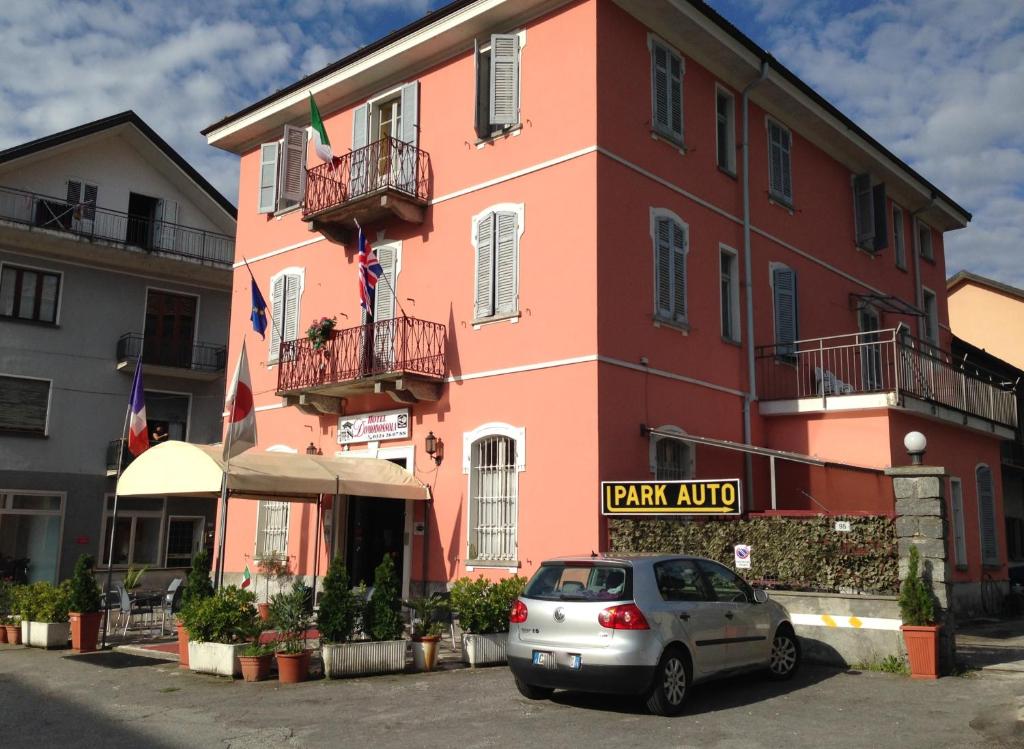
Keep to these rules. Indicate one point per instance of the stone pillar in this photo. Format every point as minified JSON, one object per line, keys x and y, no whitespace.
{"x":921,"y":522}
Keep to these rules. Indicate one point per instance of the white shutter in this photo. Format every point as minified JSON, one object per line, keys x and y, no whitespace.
{"x":291,"y":307}
{"x":359,"y":157}
{"x":164,"y":230}
{"x":784,"y":290}
{"x":485,"y":267}
{"x":292,"y":175}
{"x":667,"y":91}
{"x":506,"y":298}
{"x":384,"y":309}
{"x":277,"y":312}
{"x":504,"y":80}
{"x":268,"y":177}
{"x":678,"y":272}
{"x":406,"y":157}
{"x":987,"y":516}
{"x":863,"y":211}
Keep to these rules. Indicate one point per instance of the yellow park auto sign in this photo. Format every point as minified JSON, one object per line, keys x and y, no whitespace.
{"x":717,"y":497}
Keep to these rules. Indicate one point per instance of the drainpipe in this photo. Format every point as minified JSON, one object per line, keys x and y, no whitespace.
{"x":748,"y":274}
{"x":918,"y":287}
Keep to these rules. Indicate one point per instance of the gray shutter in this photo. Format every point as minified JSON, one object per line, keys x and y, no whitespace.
{"x":505,"y":266}
{"x":167,"y":218}
{"x":784,"y":290}
{"x":663,"y":268}
{"x":481,"y":112}
{"x":74,"y":192}
{"x":277,"y":313}
{"x":667,"y":91}
{"x":268,"y":177}
{"x":484,"y":302}
{"x":358,"y":168}
{"x":407,"y":177}
{"x":90,"y":198}
{"x":785,"y":141}
{"x":881,"y":217}
{"x":293,"y":167}
{"x":987,"y":516}
{"x":383,"y":310}
{"x":504,"y":80}
{"x":678,"y":272}
{"x":863,"y":211}
{"x":291,"y":307}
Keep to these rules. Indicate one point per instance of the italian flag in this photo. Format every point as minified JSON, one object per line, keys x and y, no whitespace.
{"x":323,"y":144}
{"x":246,"y":578}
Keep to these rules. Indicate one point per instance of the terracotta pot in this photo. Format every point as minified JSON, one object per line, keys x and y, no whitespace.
{"x":264,"y":609}
{"x":425,"y":652}
{"x":3,"y":633}
{"x":13,"y":633}
{"x":922,"y":650}
{"x":85,"y":631}
{"x":255,"y":667}
{"x":293,"y":667}
{"x":182,"y":645}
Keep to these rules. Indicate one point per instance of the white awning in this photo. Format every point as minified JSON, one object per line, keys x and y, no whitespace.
{"x":181,"y":468}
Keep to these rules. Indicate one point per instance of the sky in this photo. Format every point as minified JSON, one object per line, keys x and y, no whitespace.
{"x":938,"y":82}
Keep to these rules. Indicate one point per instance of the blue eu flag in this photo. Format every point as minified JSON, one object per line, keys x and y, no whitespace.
{"x":259,"y":311}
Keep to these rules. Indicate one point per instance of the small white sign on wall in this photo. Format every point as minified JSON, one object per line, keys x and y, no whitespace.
{"x":844,"y":526}
{"x":741,"y":556}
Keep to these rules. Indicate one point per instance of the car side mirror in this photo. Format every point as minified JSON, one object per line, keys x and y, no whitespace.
{"x":760,"y":596}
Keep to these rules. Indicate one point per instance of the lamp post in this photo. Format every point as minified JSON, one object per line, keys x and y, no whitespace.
{"x":915,"y":442}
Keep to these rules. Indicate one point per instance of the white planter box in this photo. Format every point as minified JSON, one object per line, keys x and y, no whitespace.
{"x":364,"y":658}
{"x":45,"y":634}
{"x":484,"y":650}
{"x":214,"y":658}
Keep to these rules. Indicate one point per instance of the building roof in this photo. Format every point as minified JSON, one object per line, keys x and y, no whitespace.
{"x":967,"y":277}
{"x":107,"y":123}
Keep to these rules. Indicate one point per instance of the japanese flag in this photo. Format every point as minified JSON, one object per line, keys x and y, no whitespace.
{"x":241,"y":434}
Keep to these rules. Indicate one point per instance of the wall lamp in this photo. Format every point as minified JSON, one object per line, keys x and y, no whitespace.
{"x":434,"y":447}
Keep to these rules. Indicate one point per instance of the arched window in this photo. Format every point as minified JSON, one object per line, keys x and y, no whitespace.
{"x":495,"y":458}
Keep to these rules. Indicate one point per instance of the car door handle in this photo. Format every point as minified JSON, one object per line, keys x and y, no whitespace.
{"x":685,"y":617}
{"x":728,"y":615}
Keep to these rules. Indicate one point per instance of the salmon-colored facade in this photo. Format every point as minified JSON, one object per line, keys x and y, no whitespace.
{"x":565,"y":383}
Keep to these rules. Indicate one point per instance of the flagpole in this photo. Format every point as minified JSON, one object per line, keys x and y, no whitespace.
{"x":223,"y":509}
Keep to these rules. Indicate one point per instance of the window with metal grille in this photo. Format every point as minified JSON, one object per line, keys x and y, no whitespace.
{"x":672,"y":460}
{"x":272,"y":529}
{"x":494,"y":491}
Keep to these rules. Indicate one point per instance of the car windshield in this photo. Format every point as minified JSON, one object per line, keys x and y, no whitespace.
{"x":581,"y":582}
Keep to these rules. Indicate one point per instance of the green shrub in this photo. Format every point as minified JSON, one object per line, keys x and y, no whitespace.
{"x":133,"y":576}
{"x":917,"y":602}
{"x":289,"y":616}
{"x":483,"y":607}
{"x":84,"y":592}
{"x":199,"y":585}
{"x":426,"y":613}
{"x":227,"y":617}
{"x":44,"y":602}
{"x":339,"y":609}
{"x":383,"y":618}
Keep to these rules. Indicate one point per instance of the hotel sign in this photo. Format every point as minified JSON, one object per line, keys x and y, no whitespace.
{"x":714,"y":497}
{"x":373,"y":427}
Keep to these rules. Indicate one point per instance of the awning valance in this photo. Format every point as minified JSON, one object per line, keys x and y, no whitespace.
{"x":181,"y":468}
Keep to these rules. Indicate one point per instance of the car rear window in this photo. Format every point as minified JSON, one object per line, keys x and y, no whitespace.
{"x":581,"y":582}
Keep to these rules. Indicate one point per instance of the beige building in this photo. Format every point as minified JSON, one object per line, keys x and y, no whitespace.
{"x":989,"y":314}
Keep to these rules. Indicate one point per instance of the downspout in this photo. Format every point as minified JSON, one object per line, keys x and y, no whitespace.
{"x":748,"y":274}
{"x":918,"y":286}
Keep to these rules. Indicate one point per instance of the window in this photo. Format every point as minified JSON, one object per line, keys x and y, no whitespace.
{"x":671,"y":459}
{"x":667,"y":91}
{"x":497,"y":232}
{"x":82,"y":196}
{"x":168,"y":413}
{"x":898,"y":240}
{"x":869,"y":214}
{"x":931,"y":317}
{"x":785,"y":310}
{"x":380,"y":128}
{"x":679,"y":580}
{"x":184,"y":537}
{"x":170,"y":329}
{"x":671,"y":244}
{"x":987,"y":515}
{"x":29,"y":294}
{"x":559,"y":582}
{"x":272,"y":529}
{"x":285,"y":293}
{"x":495,"y":455}
{"x":924,"y":241}
{"x":283,"y":171}
{"x":24,"y":405}
{"x":729,"y":291}
{"x":726,"y":585}
{"x":780,"y":175}
{"x":956,"y":494}
{"x":30,"y":536}
{"x":725,"y":124}
{"x":497,"y":84}
{"x":137,"y":533}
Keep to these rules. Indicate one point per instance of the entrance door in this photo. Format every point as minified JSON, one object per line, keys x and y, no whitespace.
{"x":375,"y":527}
{"x":141,"y":220}
{"x":870,"y":351}
{"x":184,"y":540}
{"x":170,"y":326}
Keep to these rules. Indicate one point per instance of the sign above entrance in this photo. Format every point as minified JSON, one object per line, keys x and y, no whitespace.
{"x":715,"y":497}
{"x":373,"y":427}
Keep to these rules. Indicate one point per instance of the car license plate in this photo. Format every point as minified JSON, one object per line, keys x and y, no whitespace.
{"x":575,"y":661}
{"x":543,"y":659}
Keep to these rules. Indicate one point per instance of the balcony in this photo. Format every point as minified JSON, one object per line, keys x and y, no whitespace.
{"x":385,"y":179}
{"x":882,"y":368}
{"x":117,"y":448}
{"x":191,"y":360}
{"x":91,"y":222}
{"x":403,"y":357}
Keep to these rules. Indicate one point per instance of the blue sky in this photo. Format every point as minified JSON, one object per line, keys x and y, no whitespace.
{"x":939,"y":82}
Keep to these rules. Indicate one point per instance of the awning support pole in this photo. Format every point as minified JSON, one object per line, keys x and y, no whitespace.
{"x":316,"y":545}
{"x":222,"y":511}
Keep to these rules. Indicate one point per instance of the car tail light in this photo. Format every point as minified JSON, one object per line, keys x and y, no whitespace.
{"x":627,"y":616}
{"x":518,"y":613}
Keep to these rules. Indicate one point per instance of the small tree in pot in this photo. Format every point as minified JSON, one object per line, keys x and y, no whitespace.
{"x":920,"y":633}
{"x":197,"y":587}
{"x":426,"y":630}
{"x":289,"y":616}
{"x":84,"y":602}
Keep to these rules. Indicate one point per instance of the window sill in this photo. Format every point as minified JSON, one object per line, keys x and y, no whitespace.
{"x":499,"y":135}
{"x":670,"y":140}
{"x":481,"y":322}
{"x":490,"y":564}
{"x":928,"y":259}
{"x":38,"y":323}
{"x":730,"y":173}
{"x":781,"y":202}
{"x":285,"y":211}
{"x":680,"y":325}
{"x":732,"y":342}
{"x":902,"y":268}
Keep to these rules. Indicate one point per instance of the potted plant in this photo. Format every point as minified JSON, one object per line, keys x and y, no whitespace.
{"x":319,"y":331}
{"x":9,"y":617}
{"x":197,"y":587}
{"x":84,"y":603}
{"x":289,"y":616}
{"x":273,"y":566}
{"x":218,"y":628}
{"x":920,"y":633}
{"x":133,"y":576}
{"x":426,"y":630}
{"x":483,"y":609}
{"x":44,"y":615}
{"x":254,"y":660}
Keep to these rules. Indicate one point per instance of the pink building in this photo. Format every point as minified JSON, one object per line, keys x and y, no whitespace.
{"x":616,"y":234}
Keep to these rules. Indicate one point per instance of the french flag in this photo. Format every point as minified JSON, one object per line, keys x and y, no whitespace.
{"x":138,"y":436}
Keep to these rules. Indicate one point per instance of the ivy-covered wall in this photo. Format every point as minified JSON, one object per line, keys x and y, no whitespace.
{"x":804,"y":553}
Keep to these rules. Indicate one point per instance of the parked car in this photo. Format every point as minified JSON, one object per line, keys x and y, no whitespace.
{"x":646,"y":625}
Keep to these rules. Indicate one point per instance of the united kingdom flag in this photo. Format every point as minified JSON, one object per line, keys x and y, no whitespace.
{"x":370,"y":272}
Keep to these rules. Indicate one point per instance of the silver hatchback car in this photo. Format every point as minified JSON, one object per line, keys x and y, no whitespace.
{"x":645,"y":625}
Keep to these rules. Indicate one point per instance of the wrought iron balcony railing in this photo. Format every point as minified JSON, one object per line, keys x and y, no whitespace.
{"x":203,"y":357}
{"x":388,"y":164}
{"x":89,"y":221}
{"x":882,"y":361}
{"x":402,"y":345}
{"x":118,"y":448}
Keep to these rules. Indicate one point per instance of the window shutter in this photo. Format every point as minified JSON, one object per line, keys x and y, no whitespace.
{"x":268,"y":177}
{"x":663,"y":268}
{"x":786,"y":327}
{"x":666,"y":91}
{"x":277,"y":312}
{"x":504,"y":80}
{"x":787,"y":176}
{"x":774,"y":159}
{"x":360,"y":131}
{"x":481,"y":112}
{"x":410,"y":112}
{"x":74,"y":191}
{"x":293,"y":167}
{"x":678,"y":272}
{"x":505,"y":291}
{"x":987,"y":516}
{"x":89,"y":199}
{"x":291,"y":307}
{"x":959,"y":538}
{"x":881,"y":216}
{"x":485,"y":267}
{"x":23,"y":404}
{"x":863,"y":211}
{"x":167,"y":217}
{"x":384,"y":301}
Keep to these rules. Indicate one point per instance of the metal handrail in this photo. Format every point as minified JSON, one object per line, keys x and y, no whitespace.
{"x":196,"y":355}
{"x":91,"y":222}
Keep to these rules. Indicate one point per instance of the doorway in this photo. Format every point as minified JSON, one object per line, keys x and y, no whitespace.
{"x":376,"y":527}
{"x":870,"y":351}
{"x":141,"y":218}
{"x":170,"y":328}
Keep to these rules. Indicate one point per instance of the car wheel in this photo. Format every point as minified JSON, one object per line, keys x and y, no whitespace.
{"x":532,"y":692}
{"x":785,"y":657}
{"x":671,"y":683}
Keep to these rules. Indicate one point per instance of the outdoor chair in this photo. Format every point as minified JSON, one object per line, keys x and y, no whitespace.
{"x":170,"y":601}
{"x":130,"y":607}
